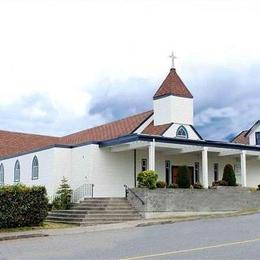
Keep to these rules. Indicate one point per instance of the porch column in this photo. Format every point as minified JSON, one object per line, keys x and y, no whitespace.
{"x":243,"y":168}
{"x":152,"y":156}
{"x":205,"y":172}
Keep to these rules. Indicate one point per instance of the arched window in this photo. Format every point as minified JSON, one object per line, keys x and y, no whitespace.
{"x":2,"y":174}
{"x":182,"y":132}
{"x":17,"y":171}
{"x":35,"y":168}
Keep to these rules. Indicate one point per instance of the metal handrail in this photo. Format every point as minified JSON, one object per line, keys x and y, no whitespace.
{"x":127,"y":189}
{"x":83,"y":191}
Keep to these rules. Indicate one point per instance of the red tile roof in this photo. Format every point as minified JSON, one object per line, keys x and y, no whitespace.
{"x":173,"y":85}
{"x":241,"y":138}
{"x":151,"y":129}
{"x":108,"y":131}
{"x":12,"y":143}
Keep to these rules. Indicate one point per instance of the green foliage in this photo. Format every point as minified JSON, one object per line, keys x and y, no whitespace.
{"x":147,"y":179}
{"x":22,"y":206}
{"x":229,"y":175}
{"x":173,"y":186}
{"x":198,"y":186}
{"x":62,"y":199}
{"x":161,"y":184}
{"x":183,"y":179}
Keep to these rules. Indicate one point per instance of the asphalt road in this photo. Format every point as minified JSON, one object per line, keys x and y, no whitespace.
{"x":222,"y":238}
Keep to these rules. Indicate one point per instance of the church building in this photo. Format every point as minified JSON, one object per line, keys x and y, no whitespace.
{"x":99,"y":161}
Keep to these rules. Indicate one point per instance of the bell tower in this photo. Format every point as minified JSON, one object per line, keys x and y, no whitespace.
{"x":173,"y":102}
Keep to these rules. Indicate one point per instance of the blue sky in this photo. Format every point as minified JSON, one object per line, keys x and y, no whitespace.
{"x":69,"y":65}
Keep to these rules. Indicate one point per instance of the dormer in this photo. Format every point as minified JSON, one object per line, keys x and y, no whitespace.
{"x":173,"y":102}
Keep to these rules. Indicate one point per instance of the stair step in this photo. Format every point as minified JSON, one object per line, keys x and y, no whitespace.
{"x":67,"y":214}
{"x":100,"y":208}
{"x":98,"y":216}
{"x":64,"y":218}
{"x":93,"y":211}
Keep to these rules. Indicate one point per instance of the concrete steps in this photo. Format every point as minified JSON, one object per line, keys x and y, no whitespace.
{"x":96,"y":211}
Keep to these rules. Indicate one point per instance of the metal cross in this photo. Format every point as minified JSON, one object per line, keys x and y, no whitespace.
{"x":173,"y":58}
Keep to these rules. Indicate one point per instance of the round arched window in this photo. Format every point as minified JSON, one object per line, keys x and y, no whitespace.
{"x":182,"y":132}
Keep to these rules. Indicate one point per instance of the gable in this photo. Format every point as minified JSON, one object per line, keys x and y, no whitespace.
{"x":190,"y":130}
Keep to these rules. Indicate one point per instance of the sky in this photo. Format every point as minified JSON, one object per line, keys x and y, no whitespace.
{"x":70,"y":65}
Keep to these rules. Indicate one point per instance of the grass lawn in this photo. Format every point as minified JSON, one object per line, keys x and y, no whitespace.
{"x":44,"y":225}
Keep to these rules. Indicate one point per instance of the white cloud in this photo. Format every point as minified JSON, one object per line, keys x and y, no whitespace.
{"x":62,"y":48}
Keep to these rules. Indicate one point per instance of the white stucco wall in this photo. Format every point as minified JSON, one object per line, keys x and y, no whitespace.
{"x":173,"y":109}
{"x":54,"y":163}
{"x":108,"y":171}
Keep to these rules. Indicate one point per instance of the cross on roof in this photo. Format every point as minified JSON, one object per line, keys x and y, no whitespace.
{"x":173,"y":58}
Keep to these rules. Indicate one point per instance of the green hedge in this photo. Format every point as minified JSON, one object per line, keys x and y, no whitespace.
{"x":22,"y":206}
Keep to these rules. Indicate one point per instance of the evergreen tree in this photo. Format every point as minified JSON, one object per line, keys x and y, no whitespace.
{"x":63,"y":198}
{"x":229,"y":175}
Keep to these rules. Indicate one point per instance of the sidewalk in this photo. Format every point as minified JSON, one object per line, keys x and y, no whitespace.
{"x":131,"y":224}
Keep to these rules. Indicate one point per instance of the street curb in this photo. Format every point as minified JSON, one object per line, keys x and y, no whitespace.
{"x":14,"y":237}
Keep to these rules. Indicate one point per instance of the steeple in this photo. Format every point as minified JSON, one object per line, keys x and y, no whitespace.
{"x":173,"y":85}
{"x":173,"y":102}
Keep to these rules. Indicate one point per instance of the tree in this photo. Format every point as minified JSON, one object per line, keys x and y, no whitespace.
{"x":63,"y":197}
{"x":229,"y":175}
{"x":183,"y":178}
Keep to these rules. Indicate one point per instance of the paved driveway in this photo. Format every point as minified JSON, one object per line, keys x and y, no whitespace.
{"x":222,"y":238}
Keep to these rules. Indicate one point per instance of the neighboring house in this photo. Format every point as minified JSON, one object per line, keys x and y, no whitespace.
{"x":112,"y":155}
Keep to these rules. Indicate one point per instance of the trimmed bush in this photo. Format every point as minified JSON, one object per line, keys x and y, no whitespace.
{"x":198,"y":186}
{"x":229,"y":175}
{"x":161,"y":184}
{"x":62,"y":199}
{"x":147,"y":179}
{"x":183,"y":179}
{"x":173,"y":186}
{"x":22,"y":206}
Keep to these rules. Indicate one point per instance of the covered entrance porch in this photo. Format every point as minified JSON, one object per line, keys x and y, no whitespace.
{"x":205,"y":161}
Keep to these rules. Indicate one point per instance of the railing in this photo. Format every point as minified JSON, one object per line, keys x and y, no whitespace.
{"x":127,"y":190}
{"x":83,"y":191}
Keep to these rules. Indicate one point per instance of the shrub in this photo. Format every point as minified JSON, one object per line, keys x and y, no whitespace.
{"x":173,"y":186}
{"x":197,"y":185}
{"x":161,"y":184}
{"x":62,"y":199}
{"x":22,"y":206}
{"x":229,"y":175}
{"x":219,"y":183}
{"x":147,"y":179}
{"x":258,"y":187}
{"x":183,"y":179}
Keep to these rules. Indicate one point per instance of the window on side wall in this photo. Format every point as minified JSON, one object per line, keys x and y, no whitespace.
{"x":216,"y":177}
{"x":257,"y":138}
{"x":144,"y":165}
{"x":17,"y":171}
{"x":197,"y":171}
{"x":2,"y":174}
{"x":35,"y":168}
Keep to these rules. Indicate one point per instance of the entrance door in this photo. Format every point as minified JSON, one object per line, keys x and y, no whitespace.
{"x":175,"y":174}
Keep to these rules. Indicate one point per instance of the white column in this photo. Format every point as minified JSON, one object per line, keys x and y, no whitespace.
{"x":152,"y":156}
{"x":205,"y":171}
{"x":243,"y":168}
